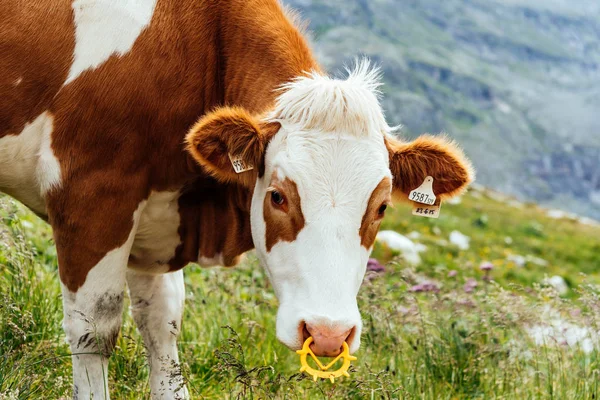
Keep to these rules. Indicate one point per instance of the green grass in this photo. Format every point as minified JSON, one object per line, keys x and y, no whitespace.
{"x":448,"y":344}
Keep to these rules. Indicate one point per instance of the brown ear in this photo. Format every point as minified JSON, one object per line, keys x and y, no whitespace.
{"x":230,"y":130}
{"x":436,"y":156}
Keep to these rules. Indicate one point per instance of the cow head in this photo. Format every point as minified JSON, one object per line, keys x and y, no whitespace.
{"x":325,"y":168}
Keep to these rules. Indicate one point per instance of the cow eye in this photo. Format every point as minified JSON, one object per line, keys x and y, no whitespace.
{"x":277,"y":198}
{"x":381,"y":210}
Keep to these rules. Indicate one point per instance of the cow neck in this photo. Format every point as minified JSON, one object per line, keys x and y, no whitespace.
{"x":257,"y":49}
{"x":227,"y":53}
{"x":215,"y":224}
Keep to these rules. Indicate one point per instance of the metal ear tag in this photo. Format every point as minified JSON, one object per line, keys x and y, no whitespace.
{"x":239,"y":165}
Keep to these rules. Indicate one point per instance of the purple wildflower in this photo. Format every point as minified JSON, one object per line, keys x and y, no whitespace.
{"x":470,"y":285}
{"x":426,"y":286}
{"x":486,"y":266}
{"x":466,"y":303}
{"x":370,"y":276}
{"x":375,"y":266}
{"x":452,"y":273}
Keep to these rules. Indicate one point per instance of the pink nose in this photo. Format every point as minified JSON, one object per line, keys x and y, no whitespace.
{"x":327,"y":341}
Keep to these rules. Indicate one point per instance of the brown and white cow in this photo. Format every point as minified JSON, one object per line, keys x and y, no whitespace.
{"x":96,"y":100}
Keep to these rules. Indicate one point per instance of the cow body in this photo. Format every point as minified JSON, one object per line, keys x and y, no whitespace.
{"x":96,"y":100}
{"x":97,"y":111}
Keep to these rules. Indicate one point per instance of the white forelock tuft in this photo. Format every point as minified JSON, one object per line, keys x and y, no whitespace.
{"x":319,"y":102}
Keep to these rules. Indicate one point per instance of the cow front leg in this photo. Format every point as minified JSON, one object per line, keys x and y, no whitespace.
{"x":92,"y":320}
{"x":93,"y":251}
{"x":157,"y":306}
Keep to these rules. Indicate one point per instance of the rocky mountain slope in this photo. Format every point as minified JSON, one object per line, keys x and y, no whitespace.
{"x":516,"y":82}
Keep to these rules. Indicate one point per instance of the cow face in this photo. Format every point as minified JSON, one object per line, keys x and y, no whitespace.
{"x":325,"y":169}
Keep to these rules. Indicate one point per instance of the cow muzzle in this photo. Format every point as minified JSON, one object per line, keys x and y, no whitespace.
{"x":328,"y":338}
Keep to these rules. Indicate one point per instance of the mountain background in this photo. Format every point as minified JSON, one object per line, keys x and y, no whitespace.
{"x":515,"y":82}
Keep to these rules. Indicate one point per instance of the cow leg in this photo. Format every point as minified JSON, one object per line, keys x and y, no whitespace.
{"x":93,"y":252}
{"x":92,"y":320}
{"x":157,"y":307}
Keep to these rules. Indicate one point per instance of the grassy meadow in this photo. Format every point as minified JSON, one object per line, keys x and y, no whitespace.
{"x":442,"y":329}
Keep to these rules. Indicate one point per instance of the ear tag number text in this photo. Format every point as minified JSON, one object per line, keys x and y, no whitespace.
{"x":426,"y":211}
{"x":239,"y":165}
{"x":424,"y":193}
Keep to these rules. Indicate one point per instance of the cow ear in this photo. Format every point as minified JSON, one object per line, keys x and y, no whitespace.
{"x":230,"y":131}
{"x":436,"y":156}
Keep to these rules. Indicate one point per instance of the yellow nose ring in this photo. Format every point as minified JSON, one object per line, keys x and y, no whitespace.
{"x":323,"y":369}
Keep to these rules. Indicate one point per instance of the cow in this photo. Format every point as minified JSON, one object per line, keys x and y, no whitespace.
{"x":154,"y":133}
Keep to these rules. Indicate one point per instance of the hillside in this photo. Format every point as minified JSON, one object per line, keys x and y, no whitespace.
{"x":516,"y":82}
{"x":451,"y":326}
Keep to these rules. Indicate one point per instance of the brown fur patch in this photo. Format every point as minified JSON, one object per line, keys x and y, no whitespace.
{"x":215,"y":219}
{"x":436,"y":156}
{"x":372,"y":219}
{"x":37,"y":38}
{"x":283,"y":223}
{"x":260,"y":47}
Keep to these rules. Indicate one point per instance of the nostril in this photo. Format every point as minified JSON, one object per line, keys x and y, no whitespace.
{"x":350,"y":336}
{"x":305,"y":333}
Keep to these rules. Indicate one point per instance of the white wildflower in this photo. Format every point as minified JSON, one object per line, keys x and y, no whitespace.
{"x":459,"y":240}
{"x":407,"y":248}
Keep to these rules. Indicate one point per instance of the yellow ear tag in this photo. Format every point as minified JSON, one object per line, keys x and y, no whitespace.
{"x":239,"y":165}
{"x":323,"y":372}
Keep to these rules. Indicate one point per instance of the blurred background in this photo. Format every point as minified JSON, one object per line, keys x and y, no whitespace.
{"x":499,"y":298}
{"x":516,"y":82}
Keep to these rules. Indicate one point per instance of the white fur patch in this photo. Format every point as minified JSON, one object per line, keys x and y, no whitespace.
{"x":335,"y":175}
{"x":318,"y":102}
{"x":157,"y":236}
{"x":104,"y":28}
{"x":48,"y":169}
{"x":157,"y":302}
{"x":24,"y":167}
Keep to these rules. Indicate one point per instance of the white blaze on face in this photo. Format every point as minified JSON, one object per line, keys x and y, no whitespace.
{"x":331,"y":146}
{"x":104,"y":28}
